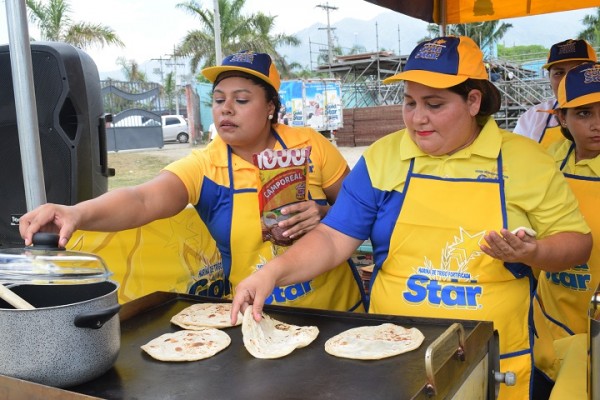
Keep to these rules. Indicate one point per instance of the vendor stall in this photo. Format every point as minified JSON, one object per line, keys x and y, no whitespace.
{"x":446,"y":365}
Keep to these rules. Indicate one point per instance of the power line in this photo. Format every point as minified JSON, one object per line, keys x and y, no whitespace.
{"x":328,"y":8}
{"x":174,"y":64}
{"x":160,"y":59}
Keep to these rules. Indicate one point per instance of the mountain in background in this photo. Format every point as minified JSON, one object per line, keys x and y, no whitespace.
{"x":390,"y":31}
{"x":394,"y":32}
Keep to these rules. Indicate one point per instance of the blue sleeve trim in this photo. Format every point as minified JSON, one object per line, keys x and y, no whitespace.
{"x":355,"y":209}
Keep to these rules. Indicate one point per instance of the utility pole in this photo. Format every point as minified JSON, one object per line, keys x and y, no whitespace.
{"x":378,"y":69}
{"x":160,"y":59}
{"x":174,"y":64}
{"x":217,"y":32}
{"x":162,"y":77}
{"x":327,"y":8}
{"x":399,"y":44}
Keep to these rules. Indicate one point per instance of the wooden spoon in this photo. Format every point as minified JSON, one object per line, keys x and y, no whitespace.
{"x":14,"y":299}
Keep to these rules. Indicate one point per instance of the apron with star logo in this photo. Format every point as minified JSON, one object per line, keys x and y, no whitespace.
{"x":562,"y":298}
{"x":435,"y":267}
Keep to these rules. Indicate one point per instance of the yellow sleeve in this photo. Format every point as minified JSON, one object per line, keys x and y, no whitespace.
{"x":328,"y":159}
{"x":538,"y":191}
{"x":191,"y":170}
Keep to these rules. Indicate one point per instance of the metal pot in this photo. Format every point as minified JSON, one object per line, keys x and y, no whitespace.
{"x":73,"y":335}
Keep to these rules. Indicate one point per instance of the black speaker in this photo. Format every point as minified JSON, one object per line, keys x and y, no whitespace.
{"x":71,"y":128}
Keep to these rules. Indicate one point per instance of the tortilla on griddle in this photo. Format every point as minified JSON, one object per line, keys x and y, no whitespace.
{"x":205,"y":315}
{"x":270,"y":338}
{"x":187,"y":345}
{"x":374,"y":342}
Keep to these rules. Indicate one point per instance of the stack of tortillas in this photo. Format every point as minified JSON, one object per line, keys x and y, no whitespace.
{"x":374,"y":342}
{"x":270,"y":338}
{"x":205,"y":315}
{"x":187,"y":345}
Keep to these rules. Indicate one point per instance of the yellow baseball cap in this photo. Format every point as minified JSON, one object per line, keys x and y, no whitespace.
{"x":580,"y":86}
{"x":443,"y":62}
{"x":570,"y":50}
{"x":257,"y":64}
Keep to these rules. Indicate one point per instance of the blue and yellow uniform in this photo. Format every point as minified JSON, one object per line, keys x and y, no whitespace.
{"x":539,"y":124}
{"x":563,"y":297}
{"x":223,"y":189}
{"x":426,"y":217}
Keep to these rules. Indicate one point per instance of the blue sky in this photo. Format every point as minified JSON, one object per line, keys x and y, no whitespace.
{"x":150,"y":29}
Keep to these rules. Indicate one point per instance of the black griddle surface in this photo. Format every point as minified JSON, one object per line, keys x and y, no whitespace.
{"x":307,"y":373}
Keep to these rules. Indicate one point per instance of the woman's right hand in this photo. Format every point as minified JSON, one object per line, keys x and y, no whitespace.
{"x":252,"y":292}
{"x":49,"y":217}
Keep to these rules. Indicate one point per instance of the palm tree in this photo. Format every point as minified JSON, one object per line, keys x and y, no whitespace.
{"x":131,"y":70}
{"x":238,"y":32}
{"x":591,"y":33}
{"x":485,"y":34}
{"x":357,"y":49}
{"x":55,"y":24}
{"x":170,"y":90}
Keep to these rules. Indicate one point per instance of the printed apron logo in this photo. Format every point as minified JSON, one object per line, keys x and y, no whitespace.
{"x":449,"y":285}
{"x":284,"y":294}
{"x":576,"y":278}
{"x":211,"y":281}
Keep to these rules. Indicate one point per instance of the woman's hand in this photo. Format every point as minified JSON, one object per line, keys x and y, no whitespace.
{"x":305,"y":216}
{"x":553,"y":253}
{"x":253,"y":292}
{"x":49,"y":217}
{"x":509,"y":247}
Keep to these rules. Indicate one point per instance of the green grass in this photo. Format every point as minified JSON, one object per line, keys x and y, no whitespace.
{"x":133,"y":168}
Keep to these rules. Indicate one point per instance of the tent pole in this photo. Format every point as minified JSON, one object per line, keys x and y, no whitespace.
{"x":442,"y":13}
{"x":25,"y":105}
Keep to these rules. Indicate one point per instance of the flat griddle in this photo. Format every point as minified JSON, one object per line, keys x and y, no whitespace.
{"x":307,"y":373}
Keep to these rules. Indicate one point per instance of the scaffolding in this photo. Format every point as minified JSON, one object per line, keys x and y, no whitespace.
{"x":362,"y":75}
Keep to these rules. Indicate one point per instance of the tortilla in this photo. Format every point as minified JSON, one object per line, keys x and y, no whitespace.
{"x":374,"y":342}
{"x":270,"y":338}
{"x":187,"y":345}
{"x":528,"y":231}
{"x":205,"y":315}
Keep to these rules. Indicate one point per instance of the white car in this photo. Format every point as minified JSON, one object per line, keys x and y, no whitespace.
{"x":175,"y":127}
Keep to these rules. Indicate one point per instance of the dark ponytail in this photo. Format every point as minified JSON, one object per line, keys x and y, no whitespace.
{"x":490,"y":95}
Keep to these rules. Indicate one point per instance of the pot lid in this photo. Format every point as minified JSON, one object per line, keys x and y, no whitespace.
{"x":45,"y":263}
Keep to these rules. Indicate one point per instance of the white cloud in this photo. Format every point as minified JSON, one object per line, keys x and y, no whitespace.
{"x":150,"y":29}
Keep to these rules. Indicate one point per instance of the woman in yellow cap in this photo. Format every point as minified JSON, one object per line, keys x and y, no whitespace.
{"x":563,"y":297}
{"x":440,"y":201}
{"x":539,"y":122}
{"x":222,"y":182}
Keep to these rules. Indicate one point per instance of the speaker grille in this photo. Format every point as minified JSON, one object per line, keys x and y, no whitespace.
{"x":69,"y":105}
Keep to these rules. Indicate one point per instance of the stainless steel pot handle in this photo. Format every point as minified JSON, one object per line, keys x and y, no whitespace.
{"x":437,"y":343}
{"x":96,"y":319}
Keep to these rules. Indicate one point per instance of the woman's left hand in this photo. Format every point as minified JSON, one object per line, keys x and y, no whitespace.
{"x":305,"y":216}
{"x":509,"y":247}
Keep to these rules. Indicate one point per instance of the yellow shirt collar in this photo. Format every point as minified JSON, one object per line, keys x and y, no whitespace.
{"x":487,"y":144}
{"x":559,"y":152}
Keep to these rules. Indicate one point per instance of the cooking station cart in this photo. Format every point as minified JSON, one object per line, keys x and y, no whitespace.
{"x":457,"y":358}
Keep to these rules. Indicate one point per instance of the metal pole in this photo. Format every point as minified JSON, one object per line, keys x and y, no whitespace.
{"x":378,"y":69}
{"x":25,"y":105}
{"x":442,"y":6}
{"x":162,"y":81}
{"x":175,"y":76}
{"x":217,"y":29}
{"x":327,"y":8}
